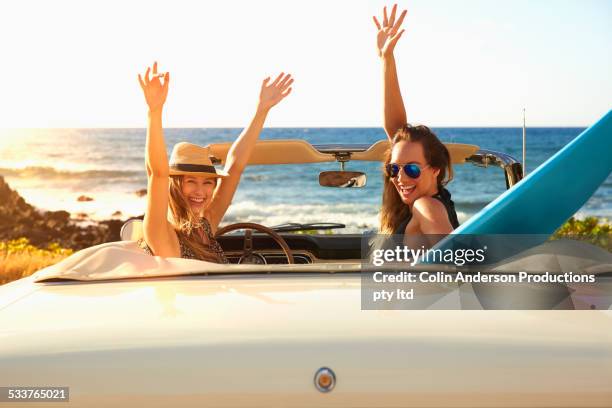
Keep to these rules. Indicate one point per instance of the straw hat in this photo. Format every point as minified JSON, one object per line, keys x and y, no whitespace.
{"x":193,"y":160}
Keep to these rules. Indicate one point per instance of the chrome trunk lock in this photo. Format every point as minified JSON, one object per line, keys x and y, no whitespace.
{"x":325,"y":379}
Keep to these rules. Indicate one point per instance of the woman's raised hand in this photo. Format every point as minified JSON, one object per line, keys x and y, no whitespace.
{"x":389,"y":32}
{"x":273,"y":93}
{"x":154,"y":91}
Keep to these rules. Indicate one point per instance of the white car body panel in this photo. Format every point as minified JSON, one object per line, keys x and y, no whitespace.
{"x":257,"y":340}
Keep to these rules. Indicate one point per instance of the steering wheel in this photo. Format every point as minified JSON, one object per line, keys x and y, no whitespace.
{"x":247,"y":251}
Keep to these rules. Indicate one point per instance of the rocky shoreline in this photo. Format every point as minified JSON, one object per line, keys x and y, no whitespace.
{"x":19,"y":219}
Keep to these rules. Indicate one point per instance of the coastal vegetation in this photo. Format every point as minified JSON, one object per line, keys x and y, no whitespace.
{"x":18,"y":258}
{"x":594,"y":230}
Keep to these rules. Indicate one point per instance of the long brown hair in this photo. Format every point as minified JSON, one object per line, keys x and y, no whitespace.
{"x":186,"y":222}
{"x":394,"y":210}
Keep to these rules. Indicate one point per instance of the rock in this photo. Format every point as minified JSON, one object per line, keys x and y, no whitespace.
{"x":19,"y":219}
{"x":141,"y":192}
{"x":60,"y":216}
{"x":51,"y":224}
{"x":84,"y":198}
{"x":117,"y":214}
{"x":114,"y":230}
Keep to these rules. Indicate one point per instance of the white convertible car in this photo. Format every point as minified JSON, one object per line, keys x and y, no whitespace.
{"x":120,"y":328}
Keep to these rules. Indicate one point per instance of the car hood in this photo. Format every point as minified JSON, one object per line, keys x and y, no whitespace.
{"x":264,"y":336}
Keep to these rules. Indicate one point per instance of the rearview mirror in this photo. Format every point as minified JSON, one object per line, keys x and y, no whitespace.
{"x":342,"y":179}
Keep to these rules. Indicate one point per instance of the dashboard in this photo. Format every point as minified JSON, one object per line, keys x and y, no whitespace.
{"x":305,"y":248}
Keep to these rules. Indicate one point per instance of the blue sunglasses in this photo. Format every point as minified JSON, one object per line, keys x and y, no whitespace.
{"x":412,"y":170}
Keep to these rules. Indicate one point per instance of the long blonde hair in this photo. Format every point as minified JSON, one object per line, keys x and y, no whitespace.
{"x":186,"y":222}
{"x":394,"y":210}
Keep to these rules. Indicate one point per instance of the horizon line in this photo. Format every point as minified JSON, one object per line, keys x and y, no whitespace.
{"x":293,"y":127}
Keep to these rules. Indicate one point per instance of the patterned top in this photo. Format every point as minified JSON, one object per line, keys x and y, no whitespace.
{"x":186,"y":252}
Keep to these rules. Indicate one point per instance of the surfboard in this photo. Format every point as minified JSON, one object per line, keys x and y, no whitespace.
{"x":553,"y":192}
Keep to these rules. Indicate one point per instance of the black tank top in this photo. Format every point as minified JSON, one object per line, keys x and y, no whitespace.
{"x":444,"y":197}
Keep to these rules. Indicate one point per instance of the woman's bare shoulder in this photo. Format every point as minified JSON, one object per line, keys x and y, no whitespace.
{"x":431,"y":216}
{"x":428,"y":207}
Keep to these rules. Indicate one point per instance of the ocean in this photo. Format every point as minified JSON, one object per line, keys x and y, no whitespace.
{"x":51,"y":168}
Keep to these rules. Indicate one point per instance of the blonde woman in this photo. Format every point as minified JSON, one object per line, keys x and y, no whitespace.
{"x":196,"y":194}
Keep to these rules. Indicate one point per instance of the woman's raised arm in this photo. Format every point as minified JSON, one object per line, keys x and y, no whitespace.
{"x":155,"y":94}
{"x":393,"y":105}
{"x":157,"y":233}
{"x":238,"y":155}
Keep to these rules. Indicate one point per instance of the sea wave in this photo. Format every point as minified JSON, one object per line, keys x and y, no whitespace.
{"x":51,"y":172}
{"x":255,"y":177}
{"x":470,"y":206}
{"x":357,"y":217}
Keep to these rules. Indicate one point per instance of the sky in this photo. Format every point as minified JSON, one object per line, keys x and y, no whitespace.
{"x":74,"y":64}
